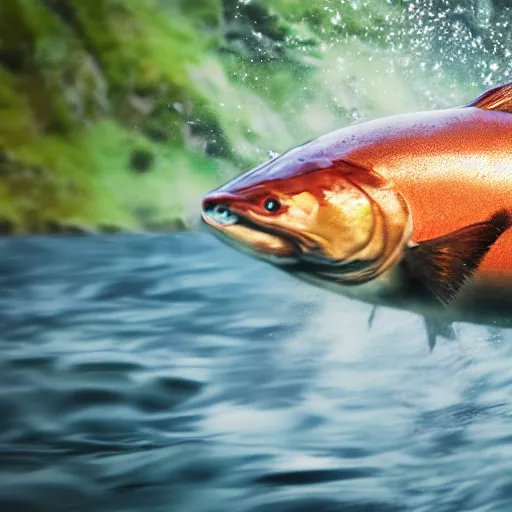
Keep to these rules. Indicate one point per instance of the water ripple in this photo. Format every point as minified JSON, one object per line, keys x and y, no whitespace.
{"x":156,"y":373}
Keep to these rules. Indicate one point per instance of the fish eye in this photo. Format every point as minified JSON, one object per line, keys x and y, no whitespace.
{"x":271,"y":205}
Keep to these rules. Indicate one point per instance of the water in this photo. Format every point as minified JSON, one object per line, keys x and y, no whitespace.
{"x":163,"y":373}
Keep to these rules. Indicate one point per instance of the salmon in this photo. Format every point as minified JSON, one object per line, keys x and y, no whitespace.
{"x":410,"y":211}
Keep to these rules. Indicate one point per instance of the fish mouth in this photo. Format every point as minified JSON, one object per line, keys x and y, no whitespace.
{"x":249,"y":236}
{"x":219,"y":215}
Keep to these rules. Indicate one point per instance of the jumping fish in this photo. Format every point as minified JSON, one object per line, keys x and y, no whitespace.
{"x":410,"y":211}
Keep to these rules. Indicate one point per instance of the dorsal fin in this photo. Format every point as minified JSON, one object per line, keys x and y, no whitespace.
{"x":498,"y":98}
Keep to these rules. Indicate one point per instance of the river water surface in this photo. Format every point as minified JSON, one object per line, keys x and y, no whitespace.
{"x":170,"y":373}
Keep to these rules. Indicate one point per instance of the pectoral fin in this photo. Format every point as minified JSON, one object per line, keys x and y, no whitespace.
{"x":443,"y":265}
{"x":437,"y":327}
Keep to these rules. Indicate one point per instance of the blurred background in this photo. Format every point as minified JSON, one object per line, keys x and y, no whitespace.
{"x":119,"y":114}
{"x":166,"y":371}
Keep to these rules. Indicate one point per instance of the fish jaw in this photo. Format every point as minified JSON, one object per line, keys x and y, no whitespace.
{"x":223,"y":220}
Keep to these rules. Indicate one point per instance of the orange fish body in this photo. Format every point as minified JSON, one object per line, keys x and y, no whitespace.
{"x":410,"y":210}
{"x":453,"y":167}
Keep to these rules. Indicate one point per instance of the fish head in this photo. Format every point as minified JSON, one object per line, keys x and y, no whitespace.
{"x":316,"y":214}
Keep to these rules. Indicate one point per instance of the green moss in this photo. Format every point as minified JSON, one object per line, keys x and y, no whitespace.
{"x":329,"y":20}
{"x":55,"y":167}
{"x":145,"y":50}
{"x":173,"y":184}
{"x":122,"y":113}
{"x":49,"y":66}
{"x":138,"y":48}
{"x":203,"y":14}
{"x":92,"y":184}
{"x":16,"y":121}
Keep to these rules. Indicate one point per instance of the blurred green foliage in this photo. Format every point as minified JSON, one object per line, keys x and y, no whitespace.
{"x":120,"y":114}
